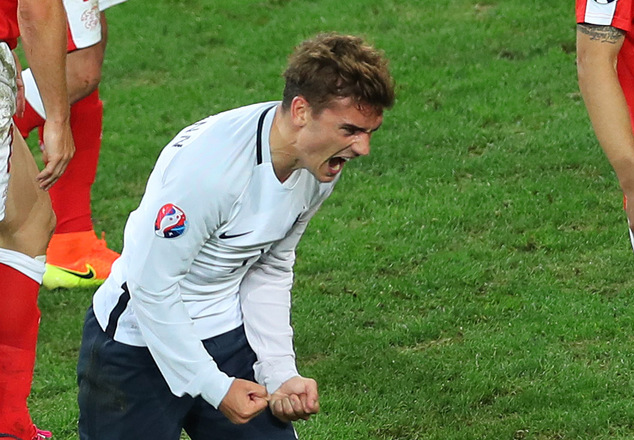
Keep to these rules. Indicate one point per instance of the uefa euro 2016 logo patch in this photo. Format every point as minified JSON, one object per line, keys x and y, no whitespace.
{"x":171,"y":222}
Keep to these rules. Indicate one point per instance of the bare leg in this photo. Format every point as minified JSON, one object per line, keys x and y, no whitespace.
{"x":24,"y":234}
{"x":29,"y":220}
{"x":83,"y":67}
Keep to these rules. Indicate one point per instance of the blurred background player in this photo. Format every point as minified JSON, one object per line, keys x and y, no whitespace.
{"x":76,"y":256}
{"x":26,"y":217}
{"x":605,"y":63}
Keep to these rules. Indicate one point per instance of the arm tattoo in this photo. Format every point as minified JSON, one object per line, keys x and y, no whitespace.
{"x":604,"y":34}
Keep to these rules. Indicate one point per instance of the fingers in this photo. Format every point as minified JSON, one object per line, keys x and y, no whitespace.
{"x":49,"y":175}
{"x":293,"y":407}
{"x":243,"y":401}
{"x":246,"y":399}
{"x":311,"y":399}
{"x":310,"y":403}
{"x":288,"y":408}
{"x":282,"y":408}
{"x":258,"y":391}
{"x":295,"y":399}
{"x":58,"y":151}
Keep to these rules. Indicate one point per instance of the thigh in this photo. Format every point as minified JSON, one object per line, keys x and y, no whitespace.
{"x":26,"y":215}
{"x":28,"y":219}
{"x":235,"y":357}
{"x":122,"y":394}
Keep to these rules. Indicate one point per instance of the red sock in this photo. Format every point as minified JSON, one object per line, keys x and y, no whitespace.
{"x":29,"y":121}
{"x":18,"y":337}
{"x":71,"y":193}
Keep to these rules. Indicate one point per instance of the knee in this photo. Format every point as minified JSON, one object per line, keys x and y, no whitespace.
{"x":82,"y":85}
{"x":83,"y":71}
{"x":92,"y":78}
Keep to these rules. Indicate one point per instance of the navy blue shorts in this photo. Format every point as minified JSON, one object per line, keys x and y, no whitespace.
{"x":123,"y":396}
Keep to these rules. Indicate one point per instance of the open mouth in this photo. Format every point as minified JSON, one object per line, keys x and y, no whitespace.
{"x":335,"y":164}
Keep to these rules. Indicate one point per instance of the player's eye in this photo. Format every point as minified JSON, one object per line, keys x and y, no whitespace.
{"x":349,"y":131}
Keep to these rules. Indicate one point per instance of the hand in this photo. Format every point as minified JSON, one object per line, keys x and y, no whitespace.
{"x":58,"y":149}
{"x":296,"y":399}
{"x":244,"y":400}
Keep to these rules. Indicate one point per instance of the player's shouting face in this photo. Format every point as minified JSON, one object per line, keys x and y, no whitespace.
{"x":327,"y":140}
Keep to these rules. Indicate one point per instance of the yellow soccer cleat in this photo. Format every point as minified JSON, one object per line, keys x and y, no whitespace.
{"x":77,"y":259}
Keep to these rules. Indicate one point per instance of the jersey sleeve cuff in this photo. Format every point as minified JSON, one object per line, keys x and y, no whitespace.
{"x":213,"y":386}
{"x":274,"y":373}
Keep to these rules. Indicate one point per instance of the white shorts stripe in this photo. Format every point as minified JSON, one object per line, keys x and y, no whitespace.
{"x":31,"y":267}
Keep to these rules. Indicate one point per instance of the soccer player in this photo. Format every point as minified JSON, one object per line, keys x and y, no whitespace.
{"x":75,"y":256}
{"x":192,"y":328}
{"x":605,"y":60}
{"x":26,"y":216}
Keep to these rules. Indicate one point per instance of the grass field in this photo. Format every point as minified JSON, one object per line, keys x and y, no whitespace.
{"x":465,"y":281}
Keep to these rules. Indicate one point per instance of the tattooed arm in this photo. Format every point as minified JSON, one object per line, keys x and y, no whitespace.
{"x":597,"y":51}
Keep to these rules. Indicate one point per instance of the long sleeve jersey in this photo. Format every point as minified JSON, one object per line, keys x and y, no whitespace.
{"x":211,"y":247}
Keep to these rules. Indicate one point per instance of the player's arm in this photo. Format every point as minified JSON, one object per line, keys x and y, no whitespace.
{"x":597,"y":51}
{"x":43,"y":28}
{"x":265,"y":298}
{"x":157,"y":265}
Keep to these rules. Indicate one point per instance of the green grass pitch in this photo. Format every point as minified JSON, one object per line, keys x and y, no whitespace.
{"x":468,"y":280}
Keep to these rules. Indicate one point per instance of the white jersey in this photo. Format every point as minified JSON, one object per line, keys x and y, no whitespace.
{"x":212,"y":246}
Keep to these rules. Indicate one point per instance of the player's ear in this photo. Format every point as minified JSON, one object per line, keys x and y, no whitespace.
{"x":300,"y":110}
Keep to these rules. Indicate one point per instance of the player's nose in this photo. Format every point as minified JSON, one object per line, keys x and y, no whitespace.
{"x":361,"y":147}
